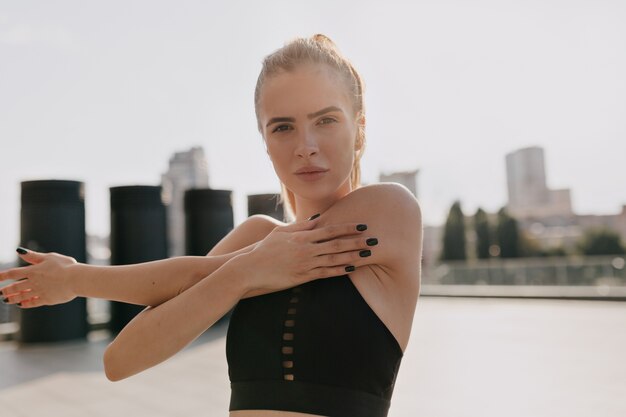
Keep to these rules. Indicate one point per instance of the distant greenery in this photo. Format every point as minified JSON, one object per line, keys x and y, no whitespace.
{"x":508,"y":235}
{"x":530,"y":247}
{"x":454,"y":241}
{"x":483,"y":234}
{"x":505,"y":239}
{"x":601,"y":242}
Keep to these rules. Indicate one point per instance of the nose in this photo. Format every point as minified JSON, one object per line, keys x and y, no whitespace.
{"x":307,"y":145}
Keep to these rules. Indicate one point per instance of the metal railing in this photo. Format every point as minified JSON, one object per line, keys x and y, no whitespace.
{"x":566,"y":271}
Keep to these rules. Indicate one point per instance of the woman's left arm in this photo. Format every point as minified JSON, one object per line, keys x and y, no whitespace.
{"x":54,"y":279}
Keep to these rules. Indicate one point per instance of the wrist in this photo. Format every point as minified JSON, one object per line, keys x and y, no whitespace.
{"x":75,"y":279}
{"x":239,"y":267}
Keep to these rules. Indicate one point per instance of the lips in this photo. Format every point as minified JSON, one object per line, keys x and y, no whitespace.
{"x":310,"y":170}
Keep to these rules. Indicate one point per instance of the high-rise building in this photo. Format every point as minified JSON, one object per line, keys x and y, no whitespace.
{"x":187,"y":170}
{"x":529,"y":195}
{"x":406,"y":178}
{"x":526,"y":178}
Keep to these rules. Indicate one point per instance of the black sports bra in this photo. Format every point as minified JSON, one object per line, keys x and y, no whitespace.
{"x":317,"y":348}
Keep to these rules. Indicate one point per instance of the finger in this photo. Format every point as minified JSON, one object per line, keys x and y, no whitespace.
{"x":31,"y":256}
{"x":15,"y":288}
{"x":334,"y":231}
{"x":345,"y":245}
{"x":16,"y":298}
{"x":14,"y":273}
{"x":31,"y":303}
{"x":328,"y":272}
{"x":342,"y":259}
{"x":298,"y":226}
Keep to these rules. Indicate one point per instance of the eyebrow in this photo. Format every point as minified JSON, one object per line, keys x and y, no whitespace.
{"x":309,"y":116}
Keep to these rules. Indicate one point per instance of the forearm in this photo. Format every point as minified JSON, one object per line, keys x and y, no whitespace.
{"x":158,"y":333}
{"x":148,"y":283}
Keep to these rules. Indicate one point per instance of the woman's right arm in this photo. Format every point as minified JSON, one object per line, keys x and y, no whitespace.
{"x":157,"y":333}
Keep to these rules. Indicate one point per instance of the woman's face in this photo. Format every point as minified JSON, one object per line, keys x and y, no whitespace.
{"x":307,"y":119}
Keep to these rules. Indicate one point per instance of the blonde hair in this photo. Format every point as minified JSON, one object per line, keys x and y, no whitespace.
{"x":318,"y":49}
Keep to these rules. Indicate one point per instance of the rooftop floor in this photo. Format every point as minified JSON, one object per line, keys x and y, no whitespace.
{"x":467,"y":357}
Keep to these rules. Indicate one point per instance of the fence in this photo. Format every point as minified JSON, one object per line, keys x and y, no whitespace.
{"x":589,"y":271}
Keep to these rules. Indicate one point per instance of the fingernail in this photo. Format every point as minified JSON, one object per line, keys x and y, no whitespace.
{"x":5,"y":300}
{"x":315,"y":216}
{"x":349,"y":268}
{"x":372,"y":241}
{"x":365,"y":253}
{"x":361,"y":227}
{"x":19,"y":304}
{"x":21,"y":250}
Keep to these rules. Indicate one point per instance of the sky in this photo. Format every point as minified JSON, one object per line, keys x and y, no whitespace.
{"x":106,"y":92}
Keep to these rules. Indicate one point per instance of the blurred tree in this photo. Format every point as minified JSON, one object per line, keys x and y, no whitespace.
{"x":454,"y":241}
{"x":532,"y":248}
{"x":601,"y":242}
{"x":555,"y":251}
{"x":507,"y":235}
{"x":483,"y":238}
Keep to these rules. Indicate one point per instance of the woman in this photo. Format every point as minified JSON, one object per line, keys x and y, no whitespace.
{"x":297,"y":345}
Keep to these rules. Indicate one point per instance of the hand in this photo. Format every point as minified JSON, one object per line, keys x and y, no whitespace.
{"x":44,"y":282}
{"x":294,"y":254}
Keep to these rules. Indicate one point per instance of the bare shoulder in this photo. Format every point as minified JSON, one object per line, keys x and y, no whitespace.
{"x":388,"y":194}
{"x":386,"y":203}
{"x":393,"y":216}
{"x":251,"y":230}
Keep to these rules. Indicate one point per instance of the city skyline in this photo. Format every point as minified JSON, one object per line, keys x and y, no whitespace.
{"x":91,"y":94}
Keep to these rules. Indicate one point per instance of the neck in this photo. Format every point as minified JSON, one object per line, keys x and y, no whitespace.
{"x":306,"y":208}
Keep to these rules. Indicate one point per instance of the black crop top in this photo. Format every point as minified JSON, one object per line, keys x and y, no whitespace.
{"x":317,"y":348}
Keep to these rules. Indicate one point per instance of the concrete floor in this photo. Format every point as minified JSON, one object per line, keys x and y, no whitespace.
{"x":467,"y":357}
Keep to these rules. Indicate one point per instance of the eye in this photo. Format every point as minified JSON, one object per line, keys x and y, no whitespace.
{"x":327,"y":120}
{"x":281,"y":128}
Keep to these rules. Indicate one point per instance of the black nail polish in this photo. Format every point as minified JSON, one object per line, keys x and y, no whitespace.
{"x":372,"y":241}
{"x":21,"y":250}
{"x":365,"y":253}
{"x":361,"y":227}
{"x":5,"y":300}
{"x":19,"y":304}
{"x":349,"y":268}
{"x":315,"y":216}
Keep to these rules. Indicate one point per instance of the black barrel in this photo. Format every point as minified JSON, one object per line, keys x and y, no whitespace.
{"x":266,"y":204}
{"x":208,"y":218}
{"x":138,"y":234}
{"x":53,"y":220}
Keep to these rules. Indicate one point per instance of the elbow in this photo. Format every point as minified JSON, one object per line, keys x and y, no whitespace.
{"x":112,"y":372}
